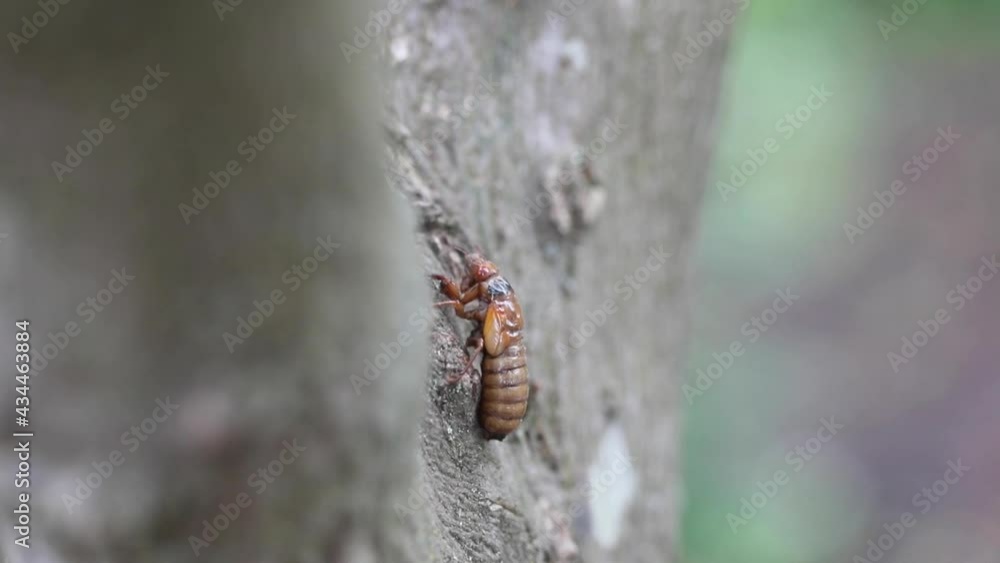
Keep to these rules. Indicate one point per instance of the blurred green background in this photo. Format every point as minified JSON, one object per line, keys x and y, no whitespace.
{"x":858,"y":296}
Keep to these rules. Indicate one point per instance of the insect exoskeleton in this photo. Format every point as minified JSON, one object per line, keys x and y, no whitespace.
{"x":498,"y":336}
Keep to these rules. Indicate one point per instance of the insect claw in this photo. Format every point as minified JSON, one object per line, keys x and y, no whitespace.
{"x":453,"y":379}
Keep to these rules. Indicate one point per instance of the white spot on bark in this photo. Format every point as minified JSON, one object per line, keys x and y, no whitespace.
{"x":575,"y":54}
{"x":613,"y":484}
{"x":400,"y":49}
{"x":630,"y":12}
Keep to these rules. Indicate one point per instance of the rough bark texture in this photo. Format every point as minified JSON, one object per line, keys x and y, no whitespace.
{"x":481,"y":166}
{"x":369,"y":486}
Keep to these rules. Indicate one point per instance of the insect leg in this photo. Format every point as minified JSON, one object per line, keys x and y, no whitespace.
{"x":454,"y":378}
{"x":478,"y":315}
{"x":475,"y":340}
{"x":448,"y":286}
{"x":474,"y":315}
{"x":467,"y":283}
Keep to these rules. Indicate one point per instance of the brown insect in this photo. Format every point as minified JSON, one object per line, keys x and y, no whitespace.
{"x":499,"y":324}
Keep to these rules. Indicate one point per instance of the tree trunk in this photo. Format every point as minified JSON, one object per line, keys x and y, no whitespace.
{"x":573,"y":151}
{"x":280,"y":300}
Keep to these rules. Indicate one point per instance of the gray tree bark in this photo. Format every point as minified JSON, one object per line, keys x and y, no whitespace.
{"x":500,"y":167}
{"x":287,"y":313}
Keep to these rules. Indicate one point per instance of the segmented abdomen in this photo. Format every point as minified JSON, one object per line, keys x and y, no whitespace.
{"x":504,"y":397}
